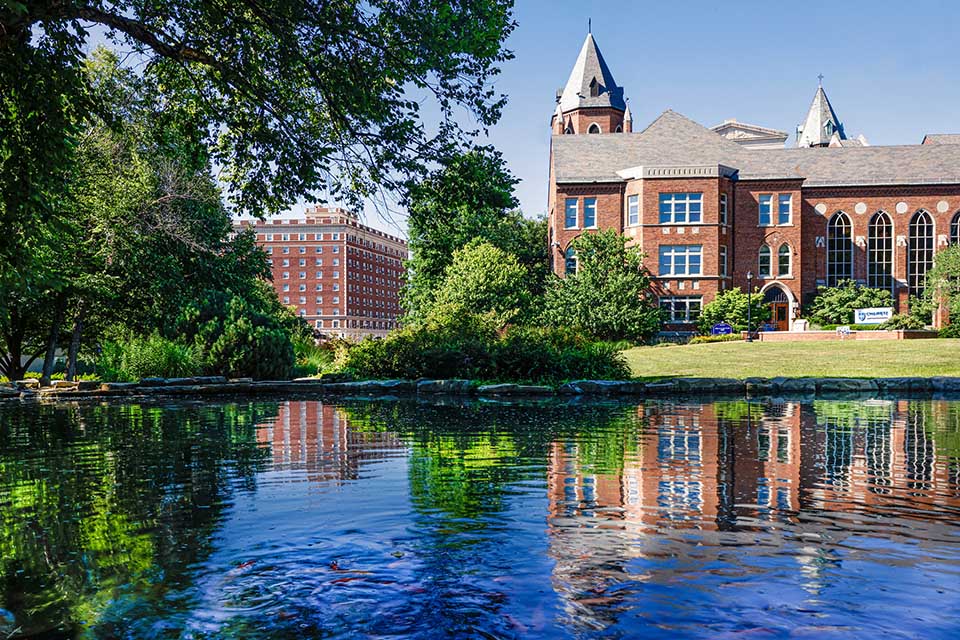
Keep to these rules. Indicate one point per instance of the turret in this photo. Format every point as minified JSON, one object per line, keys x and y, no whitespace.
{"x":591,"y":101}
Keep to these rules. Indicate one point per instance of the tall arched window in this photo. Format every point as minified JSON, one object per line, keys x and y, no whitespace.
{"x":764,"y":269}
{"x":920,"y":252}
{"x":594,"y":128}
{"x":955,"y":229}
{"x":784,"y":257}
{"x":839,"y":249}
{"x":570,"y":262}
{"x":880,"y":252}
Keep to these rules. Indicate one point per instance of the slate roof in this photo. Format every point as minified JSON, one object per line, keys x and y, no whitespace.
{"x":814,"y":131}
{"x":941,"y":138}
{"x":590,"y":65}
{"x":674,"y":140}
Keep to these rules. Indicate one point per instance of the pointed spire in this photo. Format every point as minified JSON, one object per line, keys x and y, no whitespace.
{"x":821,"y":122}
{"x":591,"y":84}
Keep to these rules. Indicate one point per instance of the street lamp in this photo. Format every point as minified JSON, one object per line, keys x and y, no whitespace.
{"x":749,"y":305}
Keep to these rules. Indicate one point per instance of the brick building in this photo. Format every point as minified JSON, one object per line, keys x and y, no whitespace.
{"x":340,"y":275}
{"x":707,"y":206}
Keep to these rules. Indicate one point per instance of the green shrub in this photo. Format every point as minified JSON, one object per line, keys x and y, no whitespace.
{"x":732,"y":337}
{"x":313,"y":359}
{"x":146,"y":357}
{"x":730,"y":306}
{"x":451,"y":343}
{"x":903,"y":321}
{"x":835,"y":305}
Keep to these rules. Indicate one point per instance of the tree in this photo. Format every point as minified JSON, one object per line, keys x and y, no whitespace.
{"x":609,"y":296}
{"x":483,"y":279}
{"x":835,"y":305}
{"x":293,"y":96}
{"x":730,"y":306}
{"x":943,"y":288}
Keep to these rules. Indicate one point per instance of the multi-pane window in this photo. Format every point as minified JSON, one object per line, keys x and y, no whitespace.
{"x":784,"y":258}
{"x":302,"y":275}
{"x":681,"y":309}
{"x":319,"y":250}
{"x":269,"y":237}
{"x":589,"y":213}
{"x":784,"y":208}
{"x":303,"y":262}
{"x":570,"y":214}
{"x":633,"y":210}
{"x":570,"y":261}
{"x":681,"y":208}
{"x":764,"y":268}
{"x":723,"y":260}
{"x":955,"y":229}
{"x":285,"y":262}
{"x":286,"y":275}
{"x":766,"y":209}
{"x":920,"y":254}
{"x":286,"y":287}
{"x":880,"y":252}
{"x":681,"y":260}
{"x":839,"y":249}
{"x":303,"y":287}
{"x":723,"y":208}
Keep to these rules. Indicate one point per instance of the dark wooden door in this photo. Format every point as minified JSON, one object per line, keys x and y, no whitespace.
{"x":779,"y":315}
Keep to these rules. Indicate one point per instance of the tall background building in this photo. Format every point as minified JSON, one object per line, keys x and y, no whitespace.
{"x":340,"y":275}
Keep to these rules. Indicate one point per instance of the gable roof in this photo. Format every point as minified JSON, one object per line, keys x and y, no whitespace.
{"x":941,"y":138}
{"x":815,"y":130}
{"x":591,"y":66}
{"x":673,"y":140}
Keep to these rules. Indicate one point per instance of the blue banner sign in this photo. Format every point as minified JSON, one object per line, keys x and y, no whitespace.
{"x":721,"y":329}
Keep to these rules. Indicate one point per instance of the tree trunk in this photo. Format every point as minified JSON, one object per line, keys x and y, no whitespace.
{"x":74,"y":347}
{"x":60,"y":310}
{"x":12,"y":361}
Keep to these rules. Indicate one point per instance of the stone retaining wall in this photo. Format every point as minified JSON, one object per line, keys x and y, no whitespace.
{"x":673,"y":387}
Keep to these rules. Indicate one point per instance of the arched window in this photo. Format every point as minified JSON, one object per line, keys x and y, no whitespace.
{"x":619,"y":129}
{"x":594,"y":128}
{"x":839,"y":249}
{"x":763,"y":264}
{"x":570,"y":262}
{"x":920,"y":252}
{"x":594,"y":88}
{"x":784,"y":258}
{"x":955,"y":229}
{"x":880,"y":252}
{"x":569,"y":129}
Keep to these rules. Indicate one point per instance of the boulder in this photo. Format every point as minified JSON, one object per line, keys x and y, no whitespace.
{"x":63,"y":384}
{"x":758,"y":386}
{"x":240,"y":380}
{"x":87,"y":385}
{"x":210,"y":380}
{"x":118,"y":386}
{"x":846,"y":385}
{"x":709,"y":386}
{"x":9,"y":392}
{"x":796,"y":385}
{"x":664,"y":387}
{"x":372,"y":386}
{"x":946,"y":385}
{"x":453,"y":386}
{"x":153,"y":382}
{"x":507,"y":389}
{"x":905,"y":384}
{"x":602,"y":387}
{"x":28,"y":383}
{"x":179,"y":382}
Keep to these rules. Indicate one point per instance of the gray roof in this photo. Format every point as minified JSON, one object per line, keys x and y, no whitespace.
{"x":821,"y":123}
{"x":941,"y":138}
{"x":674,"y":140}
{"x":591,"y":66}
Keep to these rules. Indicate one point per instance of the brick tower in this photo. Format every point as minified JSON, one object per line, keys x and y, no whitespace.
{"x":591,"y":101}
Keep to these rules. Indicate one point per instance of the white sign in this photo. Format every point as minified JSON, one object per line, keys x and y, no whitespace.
{"x":874,"y":315}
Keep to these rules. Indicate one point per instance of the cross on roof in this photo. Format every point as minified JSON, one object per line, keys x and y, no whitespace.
{"x":820,"y":78}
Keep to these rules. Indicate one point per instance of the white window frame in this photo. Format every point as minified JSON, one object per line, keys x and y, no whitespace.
{"x":723,"y":209}
{"x":633,"y":210}
{"x":675,"y":250}
{"x":789,"y":200}
{"x":566,"y":213}
{"x":765,"y":199}
{"x":686,"y":302}
{"x":673,"y":200}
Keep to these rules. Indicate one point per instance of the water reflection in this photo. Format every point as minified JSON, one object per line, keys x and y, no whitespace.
{"x":302,"y":519}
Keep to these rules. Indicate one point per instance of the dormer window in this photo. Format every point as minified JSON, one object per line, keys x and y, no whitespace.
{"x":594,"y":88}
{"x":569,"y":129}
{"x":594,"y":128}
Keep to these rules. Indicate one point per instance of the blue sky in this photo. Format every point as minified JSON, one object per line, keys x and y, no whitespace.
{"x":891,"y":69}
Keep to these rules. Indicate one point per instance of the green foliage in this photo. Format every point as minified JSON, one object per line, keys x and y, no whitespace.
{"x":483,"y":279}
{"x":452,"y":343}
{"x":235,"y":337}
{"x":902,"y":321}
{"x":144,"y":357}
{"x":609,"y":297}
{"x":470,"y":198}
{"x":732,"y":337}
{"x":835,"y":305}
{"x":730,"y":306}
{"x":313,"y":359}
{"x":943,"y":288}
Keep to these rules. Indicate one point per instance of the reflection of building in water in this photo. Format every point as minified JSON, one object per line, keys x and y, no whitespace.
{"x":317,"y":437}
{"x":735,"y":466}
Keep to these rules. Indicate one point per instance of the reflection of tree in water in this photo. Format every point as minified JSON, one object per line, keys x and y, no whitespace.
{"x":102,"y":503}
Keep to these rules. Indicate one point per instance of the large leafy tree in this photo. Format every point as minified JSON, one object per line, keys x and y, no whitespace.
{"x":943,"y":288}
{"x":470,"y":197}
{"x":483,"y":279}
{"x":731,"y":306}
{"x":609,"y":296}
{"x":835,"y":305}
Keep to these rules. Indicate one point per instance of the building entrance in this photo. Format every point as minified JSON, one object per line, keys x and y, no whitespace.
{"x":779,"y":308}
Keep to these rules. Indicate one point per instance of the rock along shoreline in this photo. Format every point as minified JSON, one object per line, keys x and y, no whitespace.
{"x":673,"y":387}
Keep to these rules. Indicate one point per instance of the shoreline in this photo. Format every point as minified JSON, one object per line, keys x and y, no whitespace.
{"x":666,"y":388}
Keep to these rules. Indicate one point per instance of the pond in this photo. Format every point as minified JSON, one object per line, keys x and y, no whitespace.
{"x":304,"y":519}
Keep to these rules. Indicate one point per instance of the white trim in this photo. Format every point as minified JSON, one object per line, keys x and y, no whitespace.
{"x":591,"y":126}
{"x":791,"y":300}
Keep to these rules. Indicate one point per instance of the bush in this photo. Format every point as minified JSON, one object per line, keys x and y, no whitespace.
{"x":732,"y":337}
{"x":903,"y":321}
{"x":313,"y":359}
{"x":146,"y":357}
{"x":730,"y":306}
{"x":835,"y":305}
{"x":451,"y":343}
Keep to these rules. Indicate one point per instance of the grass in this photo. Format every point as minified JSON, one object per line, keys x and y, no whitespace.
{"x":840,"y":359}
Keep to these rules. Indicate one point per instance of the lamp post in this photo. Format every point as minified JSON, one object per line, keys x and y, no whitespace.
{"x":749,"y":306}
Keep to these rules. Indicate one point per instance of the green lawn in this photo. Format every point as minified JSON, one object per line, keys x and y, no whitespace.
{"x":845,"y":359}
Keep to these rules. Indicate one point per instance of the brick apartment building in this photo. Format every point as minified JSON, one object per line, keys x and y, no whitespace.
{"x":707,"y":206}
{"x":340,"y":275}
